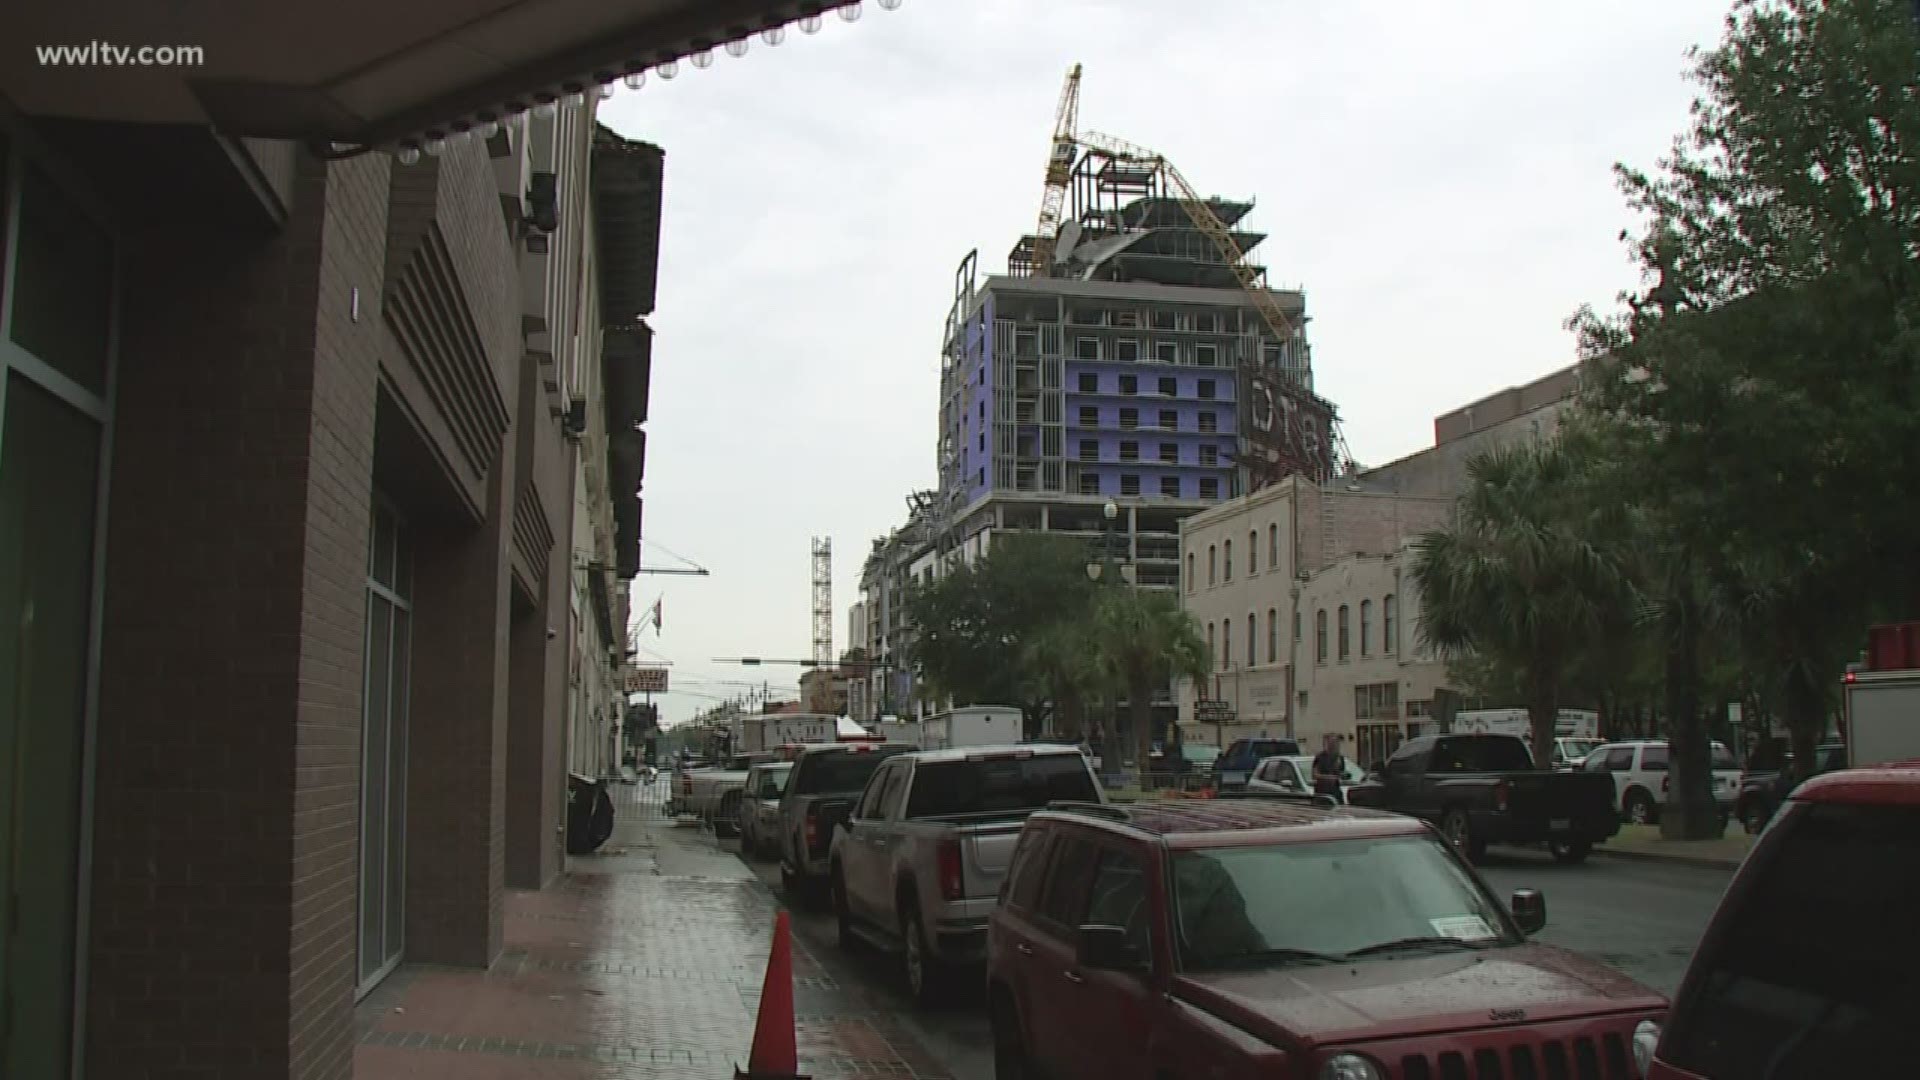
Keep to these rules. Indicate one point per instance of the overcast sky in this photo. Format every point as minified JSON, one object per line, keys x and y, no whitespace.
{"x":1435,"y":174}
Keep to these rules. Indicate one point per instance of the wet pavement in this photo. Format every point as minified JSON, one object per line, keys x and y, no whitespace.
{"x":643,"y":962}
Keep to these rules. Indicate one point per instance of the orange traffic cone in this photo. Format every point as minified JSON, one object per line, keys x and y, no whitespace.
{"x":775,"y":1055}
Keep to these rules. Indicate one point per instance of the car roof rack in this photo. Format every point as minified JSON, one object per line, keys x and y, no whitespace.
{"x":1313,"y":798}
{"x":1097,"y":809}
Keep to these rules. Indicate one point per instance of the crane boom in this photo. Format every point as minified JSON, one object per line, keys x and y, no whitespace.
{"x":1060,"y":151}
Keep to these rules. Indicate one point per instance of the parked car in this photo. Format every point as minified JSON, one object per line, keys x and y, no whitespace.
{"x":1483,"y":789}
{"x":1763,"y":790}
{"x":1570,"y":752}
{"x":1232,"y":768}
{"x":826,"y":781}
{"x":1639,"y":771}
{"x":917,"y":866}
{"x":760,"y":807}
{"x":1806,"y":969}
{"x":1295,"y":774}
{"x":1279,"y":937}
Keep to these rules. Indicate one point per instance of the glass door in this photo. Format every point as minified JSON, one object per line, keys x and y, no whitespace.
{"x":56,"y":316}
{"x":383,"y":753}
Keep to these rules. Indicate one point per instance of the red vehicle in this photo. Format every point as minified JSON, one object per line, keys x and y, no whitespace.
{"x":1283,"y":937}
{"x":1811,"y":966}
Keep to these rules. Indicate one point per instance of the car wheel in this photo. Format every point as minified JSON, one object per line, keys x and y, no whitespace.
{"x":1570,"y":852}
{"x":923,"y":970}
{"x":1457,"y":827}
{"x":842,"y":914}
{"x":1753,"y":818}
{"x":1640,"y":809}
{"x":1010,"y":1060}
{"x":726,"y":819}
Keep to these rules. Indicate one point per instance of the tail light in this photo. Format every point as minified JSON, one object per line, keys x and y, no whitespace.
{"x":813,"y":828}
{"x":1502,"y":791}
{"x":952,"y":883}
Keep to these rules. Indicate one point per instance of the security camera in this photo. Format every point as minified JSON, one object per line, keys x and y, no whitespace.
{"x":552,"y":633}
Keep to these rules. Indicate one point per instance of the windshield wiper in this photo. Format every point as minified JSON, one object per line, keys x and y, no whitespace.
{"x":1418,"y":943}
{"x":1268,"y":955}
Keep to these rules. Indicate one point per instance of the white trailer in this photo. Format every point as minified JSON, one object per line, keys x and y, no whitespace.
{"x":974,"y":725}
{"x":1882,"y":710}
{"x":769,"y":732}
{"x":1571,"y":724}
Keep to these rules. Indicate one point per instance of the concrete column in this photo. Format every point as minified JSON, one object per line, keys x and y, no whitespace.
{"x":457,"y":759}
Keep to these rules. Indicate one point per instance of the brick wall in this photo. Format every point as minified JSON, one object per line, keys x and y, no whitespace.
{"x":227,"y":775}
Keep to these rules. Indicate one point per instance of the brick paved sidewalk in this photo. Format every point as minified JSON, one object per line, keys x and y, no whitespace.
{"x":643,"y":962}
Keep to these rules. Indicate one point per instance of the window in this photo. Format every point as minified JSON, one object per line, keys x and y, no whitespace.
{"x":1089,"y":416}
{"x":1204,"y":389}
{"x":1119,"y":898}
{"x":953,"y":787}
{"x":1296,"y":624}
{"x":1170,"y":453}
{"x":1366,"y":628}
{"x":1089,"y":450}
{"x":1190,"y":575}
{"x":1161,"y":320}
{"x":1126,"y":349}
{"x":1253,"y":553}
{"x":1206,"y":355}
{"x":1320,"y":633}
{"x":1065,"y":896}
{"x":1167,"y":352}
{"x":980,"y":442}
{"x":1209,"y":454}
{"x":1129,"y":485}
{"x":1782,"y":993}
{"x":1213,"y":565}
{"x":1210,"y":640}
{"x":1128,"y":317}
{"x":1089,"y":383}
{"x":1026,"y":343}
{"x":1389,"y":644}
{"x":1089,"y":483}
{"x":1129,"y":418}
{"x":1226,"y":643}
{"x":1169,"y":420}
{"x":1129,"y":451}
{"x":1086,"y":348}
{"x":1029,"y":867}
{"x":1273,"y":636}
{"x":1273,"y":546}
{"x":1170,"y":486}
{"x":1376,"y":701}
{"x":1169,"y":388}
{"x":1206,"y":322}
{"x":1129,"y":384}
{"x":1227,"y":563}
{"x":1209,"y":488}
{"x":1346,"y":633}
{"x":981,"y":410}
{"x":1253,"y":639}
{"x":1208,"y":422}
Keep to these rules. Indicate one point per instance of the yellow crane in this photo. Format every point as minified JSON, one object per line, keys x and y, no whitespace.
{"x":1060,"y":154}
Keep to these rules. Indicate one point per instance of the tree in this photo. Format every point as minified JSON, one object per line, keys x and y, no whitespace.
{"x":1064,"y":658}
{"x":1514,"y":578}
{"x":1146,"y":639}
{"x":1773,"y":367}
{"x":972,"y":626}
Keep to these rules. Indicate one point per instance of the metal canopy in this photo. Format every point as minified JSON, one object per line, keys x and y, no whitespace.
{"x":357,"y":72}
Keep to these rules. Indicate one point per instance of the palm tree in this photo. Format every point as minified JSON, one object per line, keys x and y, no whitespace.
{"x":1065,"y":662}
{"x":1146,"y":640}
{"x":1520,"y":577}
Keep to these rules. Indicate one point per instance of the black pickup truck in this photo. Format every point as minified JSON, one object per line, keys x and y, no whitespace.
{"x":1482,"y":789}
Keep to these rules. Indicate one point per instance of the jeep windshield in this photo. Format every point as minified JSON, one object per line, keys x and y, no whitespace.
{"x":1330,"y":900}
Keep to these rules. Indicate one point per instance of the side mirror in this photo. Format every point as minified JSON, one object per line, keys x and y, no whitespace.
{"x":1529,"y":910}
{"x":1106,"y":948}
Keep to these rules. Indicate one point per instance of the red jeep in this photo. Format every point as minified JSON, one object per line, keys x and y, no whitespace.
{"x":1282,"y":937}
{"x":1811,"y":966}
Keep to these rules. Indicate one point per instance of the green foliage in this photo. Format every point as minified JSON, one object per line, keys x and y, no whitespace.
{"x":1144,"y":639}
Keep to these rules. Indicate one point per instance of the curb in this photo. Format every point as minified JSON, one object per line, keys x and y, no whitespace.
{"x":1703,"y":862}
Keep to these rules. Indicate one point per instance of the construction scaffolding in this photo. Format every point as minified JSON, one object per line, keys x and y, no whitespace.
{"x":822,"y":600}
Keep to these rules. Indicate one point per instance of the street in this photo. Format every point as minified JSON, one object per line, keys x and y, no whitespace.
{"x":1642,"y":918}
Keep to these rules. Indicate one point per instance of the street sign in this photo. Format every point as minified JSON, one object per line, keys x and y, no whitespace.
{"x":646,"y":680}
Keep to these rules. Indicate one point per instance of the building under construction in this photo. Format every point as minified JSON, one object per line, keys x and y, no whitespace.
{"x":1123,"y":359}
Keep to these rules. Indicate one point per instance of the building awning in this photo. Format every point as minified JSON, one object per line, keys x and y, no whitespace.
{"x":626,"y":364}
{"x":363,"y":73}
{"x":626,"y":178}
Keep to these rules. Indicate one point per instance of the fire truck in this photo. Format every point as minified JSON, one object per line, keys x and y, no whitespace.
{"x":1880,"y":699}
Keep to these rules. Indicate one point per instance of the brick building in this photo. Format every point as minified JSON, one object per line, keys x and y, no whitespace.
{"x":322,"y":370}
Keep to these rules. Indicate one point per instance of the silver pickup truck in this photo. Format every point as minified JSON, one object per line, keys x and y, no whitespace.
{"x":917,"y":864}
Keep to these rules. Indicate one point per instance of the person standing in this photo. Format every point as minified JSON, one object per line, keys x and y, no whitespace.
{"x":1329,"y":768}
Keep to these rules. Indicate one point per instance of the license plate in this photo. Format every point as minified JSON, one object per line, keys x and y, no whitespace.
{"x":1233,"y":778}
{"x":1560,"y":824}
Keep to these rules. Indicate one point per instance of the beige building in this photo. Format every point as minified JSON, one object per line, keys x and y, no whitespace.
{"x":1300,"y":591}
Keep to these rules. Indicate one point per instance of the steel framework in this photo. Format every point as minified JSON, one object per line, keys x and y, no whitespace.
{"x":822,"y":600}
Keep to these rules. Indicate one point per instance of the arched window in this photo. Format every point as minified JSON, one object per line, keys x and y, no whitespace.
{"x":1366,"y":628}
{"x":1273,"y":546}
{"x":1226,"y":573}
{"x":1190,"y":574}
{"x":1273,"y":636}
{"x":1320,"y":635}
{"x":1253,"y":640}
{"x":1210,"y":648}
{"x":1346,"y":633}
{"x":1226,"y":643}
{"x":1253,"y":553}
{"x":1389,"y":644}
{"x":1213,"y":559}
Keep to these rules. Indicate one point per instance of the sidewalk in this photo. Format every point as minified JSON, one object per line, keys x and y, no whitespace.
{"x":642,"y":962}
{"x":1644,"y":842}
